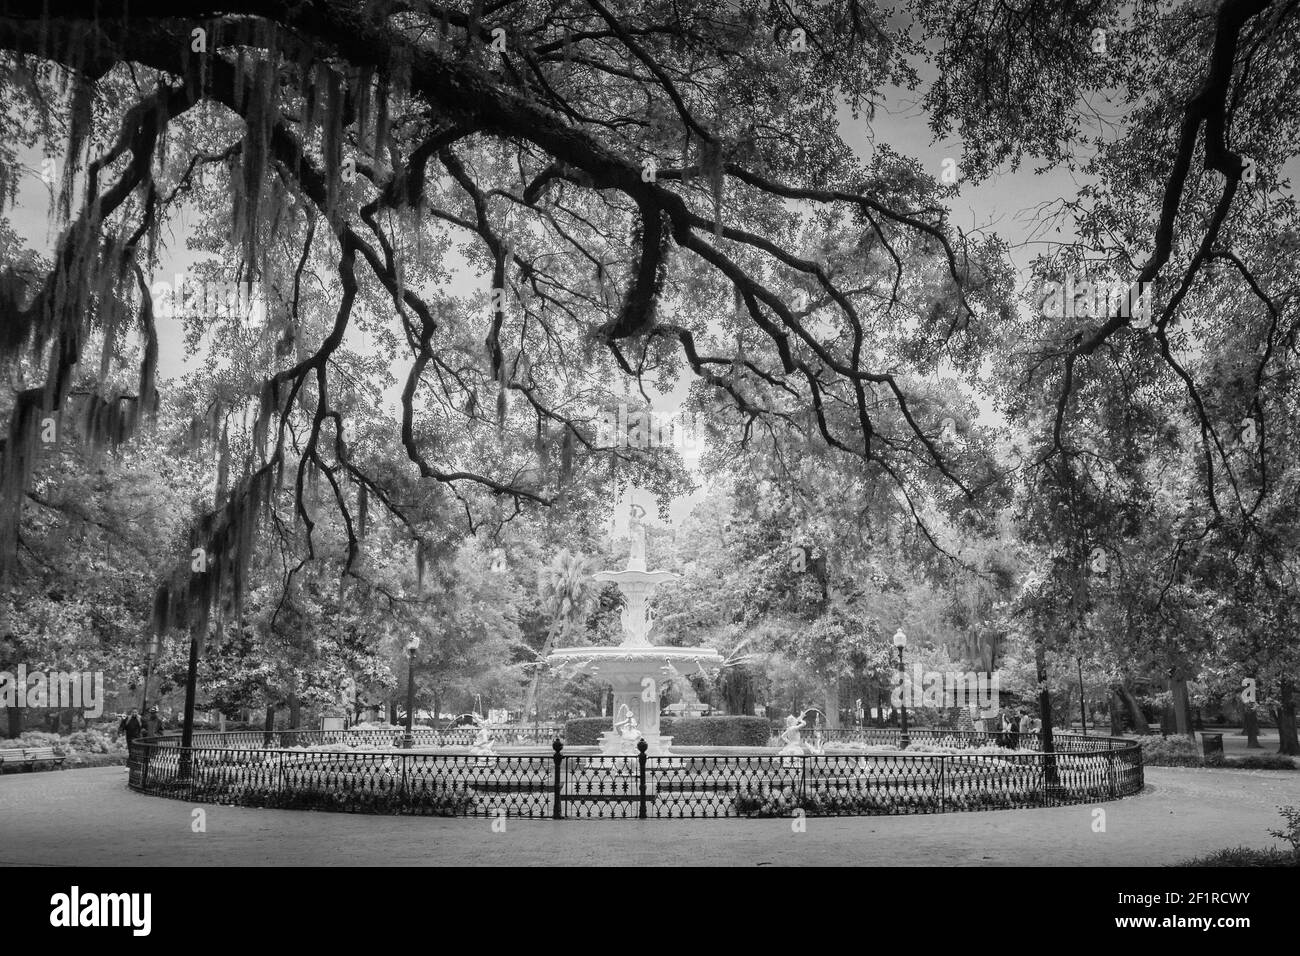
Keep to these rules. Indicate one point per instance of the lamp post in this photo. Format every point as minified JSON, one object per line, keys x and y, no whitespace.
{"x":413,"y":645}
{"x":152,"y":648}
{"x":1083,"y":704}
{"x":900,"y":641}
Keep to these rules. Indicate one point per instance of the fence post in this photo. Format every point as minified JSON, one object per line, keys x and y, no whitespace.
{"x":280,"y":785}
{"x":803,"y":777}
{"x":557,"y":747}
{"x":943,"y":783}
{"x":403,"y":759}
{"x":641,"y":748}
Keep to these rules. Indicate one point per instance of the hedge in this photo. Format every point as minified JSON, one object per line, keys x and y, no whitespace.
{"x":730,"y":731}
{"x":1176,"y":751}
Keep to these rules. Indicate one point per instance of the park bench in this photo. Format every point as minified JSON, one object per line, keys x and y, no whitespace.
{"x":28,"y":756}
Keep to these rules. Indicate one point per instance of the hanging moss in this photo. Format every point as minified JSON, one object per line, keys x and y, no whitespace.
{"x":223,"y":466}
{"x":80,"y":129}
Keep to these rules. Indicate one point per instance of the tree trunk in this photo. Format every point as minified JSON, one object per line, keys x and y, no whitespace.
{"x":1167,"y":720}
{"x":832,"y":704}
{"x":1182,"y":707}
{"x":268,"y":726}
{"x":295,"y":712}
{"x":1139,"y":719}
{"x":1045,"y":708}
{"x":15,"y":715}
{"x":1251,"y":728}
{"x":530,"y":698}
{"x":1116,"y":713}
{"x":1287,"y":741}
{"x":392,"y":711}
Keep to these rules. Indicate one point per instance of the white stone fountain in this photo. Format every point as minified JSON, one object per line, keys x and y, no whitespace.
{"x":636,"y":669}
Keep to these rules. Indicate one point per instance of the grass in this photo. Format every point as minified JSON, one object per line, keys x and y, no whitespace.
{"x":1245,"y":856}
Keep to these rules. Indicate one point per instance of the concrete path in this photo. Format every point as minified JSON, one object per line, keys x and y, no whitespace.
{"x":89,"y":817}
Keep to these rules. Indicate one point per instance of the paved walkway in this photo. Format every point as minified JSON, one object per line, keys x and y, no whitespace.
{"x":89,"y":817}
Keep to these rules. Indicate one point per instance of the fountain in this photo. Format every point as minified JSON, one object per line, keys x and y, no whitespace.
{"x":635,"y":668}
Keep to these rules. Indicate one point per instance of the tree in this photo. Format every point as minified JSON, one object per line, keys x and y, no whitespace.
{"x":567,"y":595}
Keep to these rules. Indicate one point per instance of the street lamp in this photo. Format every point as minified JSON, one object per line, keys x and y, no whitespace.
{"x":900,"y":641}
{"x":152,"y":648}
{"x":413,"y":645}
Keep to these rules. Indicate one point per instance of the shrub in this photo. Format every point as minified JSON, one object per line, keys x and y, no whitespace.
{"x":726,"y":731}
{"x":753,"y":802}
{"x":1292,"y":832}
{"x":585,"y":731}
{"x":32,"y":738}
{"x":1172,"y":751}
{"x":1261,"y":762}
{"x":420,"y":802}
{"x":92,"y":742}
{"x":78,"y":759}
{"x":1244,"y":856}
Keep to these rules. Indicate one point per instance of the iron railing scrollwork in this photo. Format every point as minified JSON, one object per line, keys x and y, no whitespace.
{"x":362,"y":771}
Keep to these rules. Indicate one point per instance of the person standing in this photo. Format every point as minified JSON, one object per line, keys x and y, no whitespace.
{"x":130,"y":726}
{"x":1026,"y":722}
{"x":153,"y":725}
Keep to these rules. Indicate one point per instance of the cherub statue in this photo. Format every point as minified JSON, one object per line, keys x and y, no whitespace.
{"x":483,"y":744}
{"x":792,"y":737}
{"x":626,"y":726}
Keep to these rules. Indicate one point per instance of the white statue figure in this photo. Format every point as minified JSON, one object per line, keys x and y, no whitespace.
{"x":626,"y":724}
{"x":484,"y":745}
{"x":793,"y":739}
{"x":636,"y":530}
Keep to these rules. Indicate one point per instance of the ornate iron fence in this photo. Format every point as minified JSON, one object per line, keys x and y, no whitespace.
{"x":327,"y":771}
{"x":422,"y":736}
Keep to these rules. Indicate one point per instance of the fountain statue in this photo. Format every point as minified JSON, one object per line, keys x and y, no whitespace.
{"x":626,"y":728}
{"x":792,"y":736}
{"x":483,"y":745}
{"x":635,"y":668}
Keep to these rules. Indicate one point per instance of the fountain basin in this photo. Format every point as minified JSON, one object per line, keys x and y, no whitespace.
{"x":636,"y":674}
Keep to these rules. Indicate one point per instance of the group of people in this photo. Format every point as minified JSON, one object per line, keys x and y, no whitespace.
{"x":133,"y":726}
{"x":1013,"y":724}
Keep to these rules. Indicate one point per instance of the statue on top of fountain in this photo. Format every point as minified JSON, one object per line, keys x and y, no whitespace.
{"x":636,"y":531}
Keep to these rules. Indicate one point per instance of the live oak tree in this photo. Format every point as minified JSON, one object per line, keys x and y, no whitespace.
{"x":642,"y":189}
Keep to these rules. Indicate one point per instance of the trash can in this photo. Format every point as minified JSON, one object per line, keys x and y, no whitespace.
{"x":1211,"y":744}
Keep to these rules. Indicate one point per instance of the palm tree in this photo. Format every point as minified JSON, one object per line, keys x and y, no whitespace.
{"x":567,"y":595}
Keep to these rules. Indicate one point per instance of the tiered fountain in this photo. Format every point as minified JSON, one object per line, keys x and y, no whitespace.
{"x":636,"y":669}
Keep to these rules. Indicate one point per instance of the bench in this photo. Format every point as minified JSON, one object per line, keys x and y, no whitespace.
{"x":28,"y":756}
